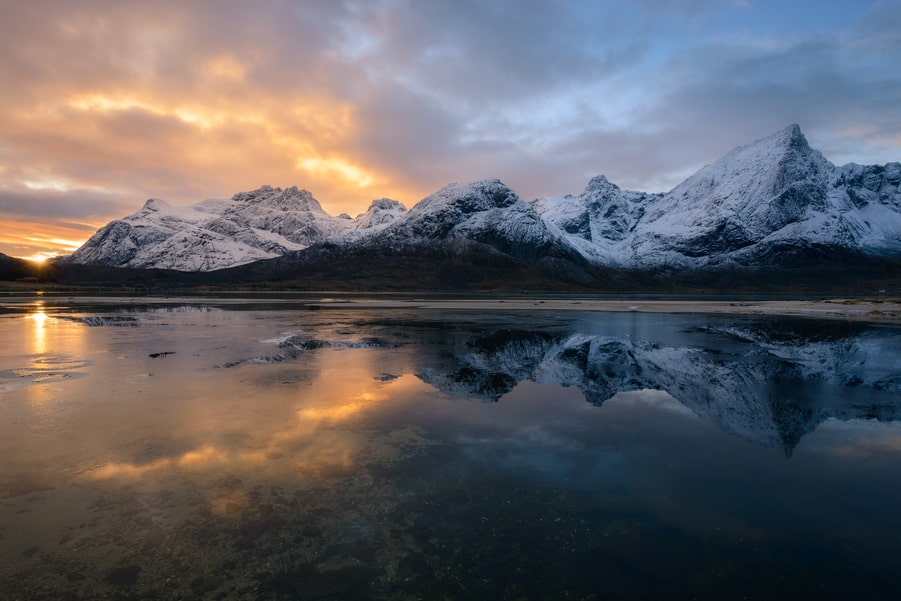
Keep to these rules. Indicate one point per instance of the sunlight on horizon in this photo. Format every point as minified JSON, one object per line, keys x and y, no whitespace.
{"x":44,"y":248}
{"x":41,"y":257}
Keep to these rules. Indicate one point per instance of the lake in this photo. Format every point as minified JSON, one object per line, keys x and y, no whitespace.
{"x":216,"y":449}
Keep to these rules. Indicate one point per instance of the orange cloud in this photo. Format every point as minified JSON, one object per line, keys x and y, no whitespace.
{"x":182,"y":149}
{"x":319,"y":436}
{"x":226,"y":67}
{"x":40,"y":240}
{"x":150,"y":111}
{"x":191,"y":100}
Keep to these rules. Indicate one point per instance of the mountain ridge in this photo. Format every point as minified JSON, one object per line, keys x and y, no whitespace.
{"x":776,"y":199}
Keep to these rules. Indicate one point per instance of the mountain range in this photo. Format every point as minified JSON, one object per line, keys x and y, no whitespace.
{"x":775,"y":203}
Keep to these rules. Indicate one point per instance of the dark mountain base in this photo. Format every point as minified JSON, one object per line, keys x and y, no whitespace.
{"x":842,"y":274}
{"x":63,"y":274}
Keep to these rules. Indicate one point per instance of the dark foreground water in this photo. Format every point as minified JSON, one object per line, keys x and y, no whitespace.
{"x":196,"y":450}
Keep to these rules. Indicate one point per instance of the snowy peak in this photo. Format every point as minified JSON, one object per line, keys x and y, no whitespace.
{"x":456,"y":204}
{"x":597,"y":220}
{"x":771,"y":192}
{"x":381,"y":212}
{"x":484,"y":211}
{"x":386,"y":204}
{"x":156,"y":204}
{"x":752,"y":175}
{"x":291,"y":199}
{"x":870,"y":184}
{"x":758,"y":202}
{"x":466,"y":198}
{"x":212,"y":234}
{"x":479,"y":220}
{"x":600,"y":186}
{"x":793,"y":160}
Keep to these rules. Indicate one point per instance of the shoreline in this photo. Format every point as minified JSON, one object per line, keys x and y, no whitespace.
{"x":885,"y":311}
{"x":875,"y":311}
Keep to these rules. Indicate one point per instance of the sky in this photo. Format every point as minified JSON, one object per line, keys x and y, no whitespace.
{"x":104,"y":104}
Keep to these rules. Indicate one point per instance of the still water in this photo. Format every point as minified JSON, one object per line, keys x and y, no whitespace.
{"x":213,"y":450}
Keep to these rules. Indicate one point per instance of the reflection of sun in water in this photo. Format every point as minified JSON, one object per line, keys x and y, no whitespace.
{"x":39,"y":338}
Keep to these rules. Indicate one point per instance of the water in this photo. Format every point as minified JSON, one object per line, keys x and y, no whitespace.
{"x":220,"y":450}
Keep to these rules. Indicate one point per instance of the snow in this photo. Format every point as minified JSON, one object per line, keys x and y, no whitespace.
{"x":213,"y":234}
{"x":380,"y":213}
{"x":775,"y":192}
{"x":460,"y":215}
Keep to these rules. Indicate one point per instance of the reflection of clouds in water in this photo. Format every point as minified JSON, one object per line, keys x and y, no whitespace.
{"x":545,"y":455}
{"x":729,"y":374}
{"x":200,"y":465}
{"x":569,"y":443}
{"x":203,"y":457}
{"x":656,"y":399}
{"x":317,"y":439}
{"x":855,"y":439}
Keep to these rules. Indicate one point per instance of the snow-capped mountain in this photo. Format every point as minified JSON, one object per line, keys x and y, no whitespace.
{"x":214,"y":234}
{"x":380,"y":213}
{"x":599,"y":220}
{"x":760,"y":203}
{"x":775,"y":194}
{"x":484,"y":214}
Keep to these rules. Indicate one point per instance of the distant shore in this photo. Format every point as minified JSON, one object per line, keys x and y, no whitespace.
{"x":870,"y":310}
{"x":876,"y":310}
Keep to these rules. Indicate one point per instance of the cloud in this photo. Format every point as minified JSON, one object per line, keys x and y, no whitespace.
{"x":69,"y":205}
{"x":484,"y":54}
{"x":112,"y":103}
{"x":827,"y":83}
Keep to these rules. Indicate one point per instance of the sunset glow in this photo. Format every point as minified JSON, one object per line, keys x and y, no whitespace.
{"x":108,"y":104}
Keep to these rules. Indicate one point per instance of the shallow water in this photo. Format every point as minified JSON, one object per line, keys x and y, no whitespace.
{"x":202,"y":449}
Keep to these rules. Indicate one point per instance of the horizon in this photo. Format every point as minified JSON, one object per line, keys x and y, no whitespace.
{"x":109,"y":105}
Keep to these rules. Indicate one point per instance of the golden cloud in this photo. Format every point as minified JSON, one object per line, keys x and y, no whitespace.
{"x":226,"y":67}
{"x":151,"y":112}
{"x":319,"y":437}
{"x":38,"y":241}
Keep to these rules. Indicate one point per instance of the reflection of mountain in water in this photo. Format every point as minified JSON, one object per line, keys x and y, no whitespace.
{"x":771,"y":382}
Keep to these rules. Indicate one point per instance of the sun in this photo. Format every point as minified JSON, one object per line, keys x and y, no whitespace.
{"x":41,"y":257}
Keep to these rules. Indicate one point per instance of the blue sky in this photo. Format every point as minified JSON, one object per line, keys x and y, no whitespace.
{"x":108,"y":103}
